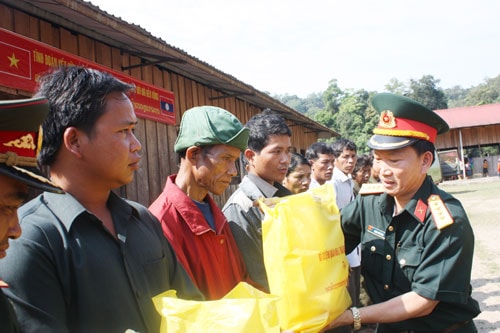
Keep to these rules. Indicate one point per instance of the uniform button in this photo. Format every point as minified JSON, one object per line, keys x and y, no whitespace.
{"x":391,"y":228}
{"x":373,"y":249}
{"x":386,"y":287}
{"x":402,"y":262}
{"x":221,"y":241}
{"x":388,"y":257}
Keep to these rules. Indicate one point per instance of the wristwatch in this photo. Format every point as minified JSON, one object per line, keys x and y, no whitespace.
{"x":356,"y":317}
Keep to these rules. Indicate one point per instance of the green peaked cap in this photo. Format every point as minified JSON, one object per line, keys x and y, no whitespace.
{"x":20,"y":140}
{"x":403,"y":121}
{"x":210,"y":125}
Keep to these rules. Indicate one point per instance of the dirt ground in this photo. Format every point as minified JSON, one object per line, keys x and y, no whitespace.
{"x":481,"y":199}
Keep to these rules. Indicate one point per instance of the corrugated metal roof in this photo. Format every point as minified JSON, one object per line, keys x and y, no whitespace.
{"x":471,"y":116}
{"x":85,"y":18}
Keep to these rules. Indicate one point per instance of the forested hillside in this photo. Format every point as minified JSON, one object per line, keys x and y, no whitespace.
{"x":349,"y":112}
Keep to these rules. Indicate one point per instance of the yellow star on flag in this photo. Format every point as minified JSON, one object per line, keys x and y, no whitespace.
{"x":13,"y":60}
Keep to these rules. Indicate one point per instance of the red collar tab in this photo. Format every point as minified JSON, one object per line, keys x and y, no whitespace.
{"x":420,"y":210}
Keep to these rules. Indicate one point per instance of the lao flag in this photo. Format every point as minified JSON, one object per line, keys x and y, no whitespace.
{"x":15,"y":61}
{"x":166,"y":106}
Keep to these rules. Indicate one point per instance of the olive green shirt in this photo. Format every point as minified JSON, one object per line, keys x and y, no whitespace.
{"x":407,"y":252}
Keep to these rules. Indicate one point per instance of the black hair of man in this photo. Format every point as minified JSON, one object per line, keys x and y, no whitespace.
{"x":77,"y":97}
{"x":295,"y":161}
{"x":341,"y":144}
{"x":317,"y":148}
{"x":264,"y":125}
{"x":365,"y":160}
{"x":422,"y":146}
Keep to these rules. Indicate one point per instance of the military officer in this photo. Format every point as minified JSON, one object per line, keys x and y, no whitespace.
{"x":417,"y":242}
{"x":20,"y":121}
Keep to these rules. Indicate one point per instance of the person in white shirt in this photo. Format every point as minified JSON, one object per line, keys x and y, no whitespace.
{"x":345,"y":159}
{"x":320,"y":155}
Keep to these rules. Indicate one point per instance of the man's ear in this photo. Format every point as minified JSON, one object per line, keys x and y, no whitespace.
{"x":427,"y":159}
{"x":249,"y":154}
{"x":192,"y":153}
{"x":72,"y":140}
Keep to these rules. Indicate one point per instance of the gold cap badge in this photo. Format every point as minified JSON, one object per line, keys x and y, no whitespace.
{"x":387,"y":119}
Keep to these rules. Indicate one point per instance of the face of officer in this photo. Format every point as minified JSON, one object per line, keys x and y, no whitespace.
{"x":402,"y":171}
{"x":12,"y":195}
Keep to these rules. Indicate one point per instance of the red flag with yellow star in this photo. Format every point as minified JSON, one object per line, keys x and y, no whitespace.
{"x":14,"y":61}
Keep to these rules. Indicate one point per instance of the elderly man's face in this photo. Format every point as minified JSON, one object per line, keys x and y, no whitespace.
{"x":12,"y":195}
{"x":216,"y":165}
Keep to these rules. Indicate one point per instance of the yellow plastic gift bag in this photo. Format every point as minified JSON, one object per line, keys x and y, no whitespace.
{"x":243,"y":310}
{"x":305,"y":259}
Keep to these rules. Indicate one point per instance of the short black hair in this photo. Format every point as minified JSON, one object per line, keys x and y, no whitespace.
{"x":295,"y":161}
{"x":422,"y":146}
{"x":312,"y":153}
{"x":365,"y":160}
{"x":264,"y":125}
{"x":77,"y":97}
{"x":341,"y":144}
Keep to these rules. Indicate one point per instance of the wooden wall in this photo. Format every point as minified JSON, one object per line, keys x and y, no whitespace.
{"x":471,"y":137}
{"x":159,"y":159}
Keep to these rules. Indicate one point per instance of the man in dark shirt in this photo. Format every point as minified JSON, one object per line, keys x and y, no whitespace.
{"x":20,"y":122}
{"x":89,"y":261}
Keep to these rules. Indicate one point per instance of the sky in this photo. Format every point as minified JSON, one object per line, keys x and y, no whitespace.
{"x":297,"y":47}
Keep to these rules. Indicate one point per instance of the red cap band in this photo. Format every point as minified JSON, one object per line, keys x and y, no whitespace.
{"x":392,"y":126}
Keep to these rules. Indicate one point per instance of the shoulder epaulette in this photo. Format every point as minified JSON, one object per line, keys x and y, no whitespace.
{"x":440,"y":214}
{"x":373,"y":188}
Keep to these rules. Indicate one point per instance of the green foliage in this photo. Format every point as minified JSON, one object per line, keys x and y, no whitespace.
{"x":349,"y":112}
{"x":396,"y":87}
{"x":426,"y":92}
{"x":485,"y":93}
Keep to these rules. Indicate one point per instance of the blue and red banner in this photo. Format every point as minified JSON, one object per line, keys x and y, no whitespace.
{"x":23,"y":60}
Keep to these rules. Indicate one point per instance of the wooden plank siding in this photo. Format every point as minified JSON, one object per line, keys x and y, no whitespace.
{"x":157,"y":139}
{"x":471,"y":137}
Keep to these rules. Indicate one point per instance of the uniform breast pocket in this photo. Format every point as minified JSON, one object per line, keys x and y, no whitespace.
{"x":372,"y":258}
{"x":408,"y":260}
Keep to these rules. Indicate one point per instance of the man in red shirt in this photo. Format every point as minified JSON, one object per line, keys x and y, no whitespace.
{"x":209,"y":143}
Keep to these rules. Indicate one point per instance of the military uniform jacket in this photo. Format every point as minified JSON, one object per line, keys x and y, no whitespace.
{"x":8,"y":321}
{"x":408,"y":252}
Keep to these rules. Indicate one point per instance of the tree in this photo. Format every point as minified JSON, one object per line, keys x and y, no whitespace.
{"x":332,"y":97}
{"x":456,"y":96}
{"x":485,"y":93}
{"x":396,"y":87}
{"x":428,"y":93}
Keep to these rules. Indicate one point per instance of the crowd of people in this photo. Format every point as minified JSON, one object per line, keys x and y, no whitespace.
{"x":90,"y":261}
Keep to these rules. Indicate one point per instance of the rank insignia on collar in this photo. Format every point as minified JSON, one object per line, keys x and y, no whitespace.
{"x":373,"y":188}
{"x":387,"y":119}
{"x":420,"y":210}
{"x":440,"y":214}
